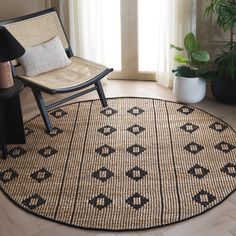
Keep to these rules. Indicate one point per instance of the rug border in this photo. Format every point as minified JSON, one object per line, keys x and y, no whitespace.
{"x":120,"y":230}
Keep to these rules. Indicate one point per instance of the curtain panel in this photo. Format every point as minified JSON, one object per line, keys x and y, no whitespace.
{"x":177,"y":19}
{"x":83,"y":21}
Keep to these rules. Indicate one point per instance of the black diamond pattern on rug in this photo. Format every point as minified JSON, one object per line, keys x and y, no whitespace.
{"x":47,"y":152}
{"x":136,"y":173}
{"x":100,"y":201}
{"x":189,"y":128}
{"x":185,"y":110}
{"x":135,"y":149}
{"x":8,"y":175}
{"x":54,"y":132}
{"x":33,"y":202}
{"x":103,"y":174}
{"x":109,"y":112}
{"x":218,"y":127}
{"x":198,"y":171}
{"x":137,"y":201}
{"x":194,"y":148}
{"x":136,"y":111}
{"x":229,"y":169}
{"x":105,"y":150}
{"x":59,"y":113}
{"x":116,"y":173}
{"x":41,"y":175}
{"x":28,"y":131}
{"x":107,"y":130}
{"x":136,"y":129}
{"x":16,"y":152}
{"x":204,"y":198}
{"x":225,"y":147}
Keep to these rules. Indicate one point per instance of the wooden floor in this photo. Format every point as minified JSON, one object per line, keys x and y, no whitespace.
{"x":220,"y":221}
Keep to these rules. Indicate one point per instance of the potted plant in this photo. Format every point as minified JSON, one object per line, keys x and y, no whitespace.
{"x":189,"y":82}
{"x":225,"y":64}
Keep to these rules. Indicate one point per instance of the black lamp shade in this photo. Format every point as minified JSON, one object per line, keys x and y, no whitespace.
{"x":10,"y":48}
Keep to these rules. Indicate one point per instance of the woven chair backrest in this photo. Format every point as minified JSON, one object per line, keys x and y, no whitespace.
{"x":36,"y":29}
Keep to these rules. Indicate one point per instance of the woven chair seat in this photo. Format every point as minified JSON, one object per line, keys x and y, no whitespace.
{"x":77,"y":73}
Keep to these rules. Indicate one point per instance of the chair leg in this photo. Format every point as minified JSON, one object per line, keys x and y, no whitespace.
{"x":4,"y":151}
{"x":101,"y":93}
{"x":41,"y":105}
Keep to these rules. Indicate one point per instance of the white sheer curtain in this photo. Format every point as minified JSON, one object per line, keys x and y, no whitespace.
{"x":90,"y":32}
{"x":176,"y":19}
{"x":89,"y":29}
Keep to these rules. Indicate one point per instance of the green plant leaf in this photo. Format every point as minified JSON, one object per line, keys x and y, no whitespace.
{"x":202,"y":56}
{"x":185,"y":71}
{"x":225,"y":12}
{"x":194,"y":62}
{"x":226,"y":63}
{"x":181,"y":59}
{"x":210,"y":75}
{"x":176,"y":48}
{"x":190,"y":42}
{"x":198,"y":46}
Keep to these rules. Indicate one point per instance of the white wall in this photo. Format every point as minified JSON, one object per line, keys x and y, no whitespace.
{"x":14,"y":8}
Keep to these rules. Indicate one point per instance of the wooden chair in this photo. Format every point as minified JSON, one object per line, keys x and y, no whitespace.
{"x":38,"y":28}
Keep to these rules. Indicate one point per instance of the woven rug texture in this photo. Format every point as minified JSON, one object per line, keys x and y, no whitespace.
{"x":136,"y":164}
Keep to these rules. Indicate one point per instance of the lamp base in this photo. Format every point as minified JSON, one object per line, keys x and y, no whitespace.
{"x":6,"y":80}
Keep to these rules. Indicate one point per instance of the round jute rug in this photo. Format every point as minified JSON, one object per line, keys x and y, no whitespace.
{"x":137,"y":164}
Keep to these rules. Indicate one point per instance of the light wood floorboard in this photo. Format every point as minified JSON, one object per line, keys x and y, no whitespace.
{"x":218,"y":221}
